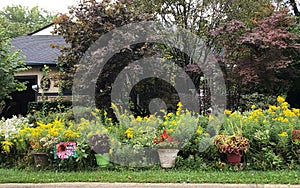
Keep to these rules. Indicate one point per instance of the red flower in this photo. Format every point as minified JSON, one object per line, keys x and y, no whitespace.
{"x":164,"y":135}
{"x":31,"y":143}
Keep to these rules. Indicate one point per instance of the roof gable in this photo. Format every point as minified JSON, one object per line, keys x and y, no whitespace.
{"x":36,"y":48}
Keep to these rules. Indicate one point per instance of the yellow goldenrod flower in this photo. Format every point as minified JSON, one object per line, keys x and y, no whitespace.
{"x":89,"y":135}
{"x":53,"y":132}
{"x":296,"y":111}
{"x":110,"y":151}
{"x":285,"y":105}
{"x":6,"y":145}
{"x":174,"y":123}
{"x":253,"y":107}
{"x":283,"y":134}
{"x":210,"y":118}
{"x":179,"y":104}
{"x":280,"y":99}
{"x":139,"y":119}
{"x":199,"y":131}
{"x":227,"y":112}
{"x":129,"y":133}
{"x":288,"y":113}
{"x":169,"y":114}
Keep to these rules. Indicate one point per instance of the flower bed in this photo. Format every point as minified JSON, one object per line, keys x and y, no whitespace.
{"x":272,"y":134}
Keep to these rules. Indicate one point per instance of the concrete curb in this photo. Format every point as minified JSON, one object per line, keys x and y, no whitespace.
{"x":141,"y":185}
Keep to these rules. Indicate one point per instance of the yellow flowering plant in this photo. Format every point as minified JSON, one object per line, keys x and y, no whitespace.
{"x":134,"y":130}
{"x":268,"y":130}
{"x":180,"y":125}
{"x":132,"y":138}
{"x":94,"y":132}
{"x":42,"y":137}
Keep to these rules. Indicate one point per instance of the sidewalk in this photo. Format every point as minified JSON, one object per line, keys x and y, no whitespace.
{"x":140,"y":185}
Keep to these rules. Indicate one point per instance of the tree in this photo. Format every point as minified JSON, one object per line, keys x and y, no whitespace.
{"x":200,"y":17}
{"x":90,"y":20}
{"x":258,"y":58}
{"x":10,"y":64}
{"x":84,"y":24}
{"x":21,"y":20}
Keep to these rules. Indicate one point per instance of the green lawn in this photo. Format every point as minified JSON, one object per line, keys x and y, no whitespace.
{"x":158,"y":176}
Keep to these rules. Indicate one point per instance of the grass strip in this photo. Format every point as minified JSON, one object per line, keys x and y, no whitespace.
{"x":151,"y":176}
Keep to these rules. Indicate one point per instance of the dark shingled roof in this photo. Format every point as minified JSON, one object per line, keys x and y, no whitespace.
{"x":36,"y":48}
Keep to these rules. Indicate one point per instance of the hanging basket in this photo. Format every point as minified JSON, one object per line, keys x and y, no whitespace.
{"x":41,"y":159}
{"x":167,"y":157}
{"x":234,"y":158}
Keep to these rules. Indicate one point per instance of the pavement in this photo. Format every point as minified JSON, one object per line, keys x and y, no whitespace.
{"x":141,"y":185}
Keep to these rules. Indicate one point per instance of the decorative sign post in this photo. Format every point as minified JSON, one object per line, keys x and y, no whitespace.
{"x":65,"y":150}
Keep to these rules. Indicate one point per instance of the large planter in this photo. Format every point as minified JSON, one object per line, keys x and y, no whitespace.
{"x":41,"y":159}
{"x":102,"y":159}
{"x":234,"y":158}
{"x":167,"y":157}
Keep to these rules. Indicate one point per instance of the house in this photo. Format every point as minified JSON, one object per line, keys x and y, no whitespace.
{"x":38,"y":52}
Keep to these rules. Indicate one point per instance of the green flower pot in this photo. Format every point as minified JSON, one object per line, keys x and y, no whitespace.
{"x":102,"y":159}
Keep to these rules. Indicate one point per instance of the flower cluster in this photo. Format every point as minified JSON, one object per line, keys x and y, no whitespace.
{"x":9,"y":130}
{"x":180,"y":124}
{"x":165,"y":141}
{"x":44,"y":135}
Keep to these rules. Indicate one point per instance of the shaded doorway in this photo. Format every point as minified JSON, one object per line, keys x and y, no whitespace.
{"x":18,"y":105}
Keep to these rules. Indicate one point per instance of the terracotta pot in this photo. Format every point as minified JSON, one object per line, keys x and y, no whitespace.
{"x":40,"y":159}
{"x":167,"y":157}
{"x":234,"y":158}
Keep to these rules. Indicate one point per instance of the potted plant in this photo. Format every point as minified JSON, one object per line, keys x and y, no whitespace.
{"x":174,"y":132}
{"x":41,"y":138}
{"x":167,"y":149}
{"x":233,"y":146}
{"x":296,"y":141}
{"x":41,"y":148}
{"x":100,"y":144}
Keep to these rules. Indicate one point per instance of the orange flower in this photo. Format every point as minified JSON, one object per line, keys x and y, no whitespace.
{"x":31,"y":143}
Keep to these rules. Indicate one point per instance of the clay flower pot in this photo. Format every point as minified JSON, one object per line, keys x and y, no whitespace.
{"x":234,"y":158}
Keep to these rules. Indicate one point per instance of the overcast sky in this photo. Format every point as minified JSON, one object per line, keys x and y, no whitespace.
{"x":57,"y":6}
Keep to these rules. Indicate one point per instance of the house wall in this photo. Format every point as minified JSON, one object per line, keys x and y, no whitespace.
{"x":37,"y":70}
